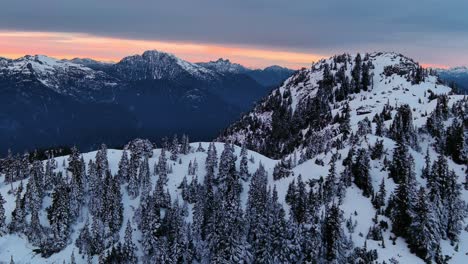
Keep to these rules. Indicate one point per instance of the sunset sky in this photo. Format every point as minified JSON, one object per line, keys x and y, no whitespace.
{"x":256,"y":33}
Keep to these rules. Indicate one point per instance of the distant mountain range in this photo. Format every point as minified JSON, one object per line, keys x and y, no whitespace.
{"x":269,"y":76}
{"x":457,"y":75}
{"x":50,"y":102}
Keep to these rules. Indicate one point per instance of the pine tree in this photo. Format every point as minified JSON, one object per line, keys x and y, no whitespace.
{"x":258,"y":217}
{"x":123,"y":167}
{"x":59,"y":216}
{"x":400,"y":166}
{"x":145,"y":180}
{"x":244,"y":169}
{"x":426,"y":171}
{"x":18,"y":216}
{"x":424,"y":237}
{"x":455,"y":206}
{"x":162,"y":167}
{"x":456,"y":142}
{"x":174,"y":148}
{"x":365,"y":78}
{"x":345,"y":126}
{"x":330,"y":185}
{"x":185,"y":147}
{"x":128,"y":246}
{"x":361,"y":173}
{"x":211,"y":159}
{"x":403,"y":201}
{"x":380,"y":129}
{"x":402,"y":129}
{"x":227,"y":167}
{"x":380,"y":197}
{"x":334,"y":243}
{"x":356,"y":73}
{"x":35,"y":230}
{"x":3,"y":227}
{"x":133,"y":187}
{"x":83,"y":242}
{"x":200,"y":148}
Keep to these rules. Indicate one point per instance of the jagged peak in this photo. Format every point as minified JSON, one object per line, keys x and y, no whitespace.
{"x":224,"y":66}
{"x":166,"y":65}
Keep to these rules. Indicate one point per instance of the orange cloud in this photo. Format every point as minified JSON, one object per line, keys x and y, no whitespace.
{"x":15,"y":44}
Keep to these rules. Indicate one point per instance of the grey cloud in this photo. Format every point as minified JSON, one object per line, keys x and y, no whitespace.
{"x":301,"y":25}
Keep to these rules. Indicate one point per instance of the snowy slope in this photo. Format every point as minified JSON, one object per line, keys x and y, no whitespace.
{"x":21,"y":250}
{"x":394,"y":90}
{"x":355,"y":205}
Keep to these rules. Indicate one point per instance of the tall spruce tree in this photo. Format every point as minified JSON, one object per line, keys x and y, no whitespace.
{"x":360,"y":169}
{"x":3,"y":227}
{"x":402,"y":208}
{"x":423,"y":234}
{"x":59,"y":216}
{"x":123,"y":167}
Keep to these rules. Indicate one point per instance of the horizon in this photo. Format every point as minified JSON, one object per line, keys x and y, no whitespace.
{"x":236,"y":55}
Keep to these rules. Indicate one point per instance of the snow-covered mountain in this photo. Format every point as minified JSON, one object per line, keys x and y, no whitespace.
{"x":296,"y":110}
{"x":224,"y":66}
{"x":90,"y":63}
{"x":269,"y":76}
{"x":64,"y":77}
{"x":156,"y":65}
{"x":82,"y":94}
{"x":357,"y":159}
{"x":456,"y":75}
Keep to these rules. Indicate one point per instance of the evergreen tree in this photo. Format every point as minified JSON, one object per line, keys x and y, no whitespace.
{"x":227,"y":166}
{"x":200,"y":148}
{"x":334,"y":243}
{"x":400,"y":165}
{"x":174,"y":148}
{"x":35,"y":230}
{"x":258,"y":217}
{"x":345,"y":126}
{"x":455,"y":206}
{"x":123,"y":167}
{"x":361,"y":173}
{"x":330,"y":185}
{"x":365,"y":78}
{"x":402,"y":208}
{"x":424,"y":237}
{"x":145,"y":180}
{"x":380,"y":129}
{"x":426,"y":171}
{"x":59,"y":216}
{"x":244,"y":167}
{"x":402,"y":129}
{"x":3,"y":227}
{"x":380,"y":197}
{"x":456,"y":142}
{"x":83,"y":242}
{"x":133,"y":187}
{"x":162,"y":167}
{"x":185,"y":146}
{"x":356,"y":73}
{"x":18,"y":216}
{"x":128,"y":246}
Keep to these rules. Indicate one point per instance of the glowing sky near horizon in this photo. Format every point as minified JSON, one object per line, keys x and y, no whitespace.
{"x":14,"y":44}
